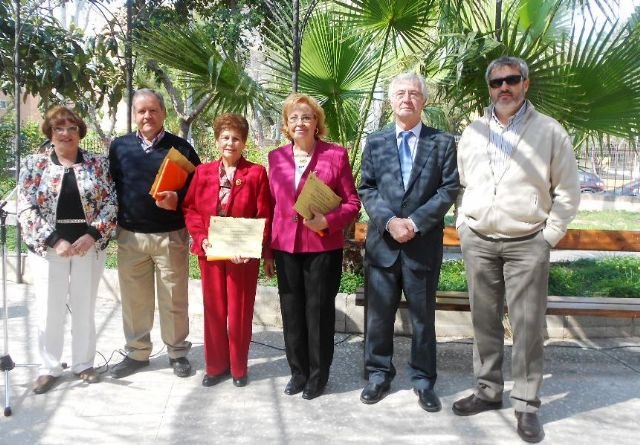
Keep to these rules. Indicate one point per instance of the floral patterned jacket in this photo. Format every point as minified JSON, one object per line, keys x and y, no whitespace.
{"x":39,"y":189}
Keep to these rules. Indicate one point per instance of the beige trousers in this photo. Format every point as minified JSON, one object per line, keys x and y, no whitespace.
{"x":516,"y":271}
{"x":150,"y":264}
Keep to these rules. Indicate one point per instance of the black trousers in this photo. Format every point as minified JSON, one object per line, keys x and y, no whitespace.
{"x":308,"y":284}
{"x":384,"y":289}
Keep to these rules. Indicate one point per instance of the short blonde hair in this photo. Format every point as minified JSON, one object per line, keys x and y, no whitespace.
{"x":297,"y":98}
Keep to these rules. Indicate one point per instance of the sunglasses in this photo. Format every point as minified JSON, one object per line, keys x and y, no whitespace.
{"x":511,"y":80}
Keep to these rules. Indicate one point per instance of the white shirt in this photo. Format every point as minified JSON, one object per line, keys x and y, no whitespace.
{"x":503,"y":139}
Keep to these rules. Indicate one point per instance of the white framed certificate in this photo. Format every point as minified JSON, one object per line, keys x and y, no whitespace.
{"x":230,"y":237}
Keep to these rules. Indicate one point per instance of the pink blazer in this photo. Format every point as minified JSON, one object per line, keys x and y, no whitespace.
{"x":330,"y":163}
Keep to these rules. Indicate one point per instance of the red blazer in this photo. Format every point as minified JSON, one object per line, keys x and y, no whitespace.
{"x":330,"y":163}
{"x":249,"y":198}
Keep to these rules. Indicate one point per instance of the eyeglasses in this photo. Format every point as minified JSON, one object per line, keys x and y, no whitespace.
{"x":514,"y":79}
{"x":62,"y":130}
{"x":305,"y":119}
{"x":413,"y":94}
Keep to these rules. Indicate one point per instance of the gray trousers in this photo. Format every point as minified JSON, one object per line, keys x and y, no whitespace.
{"x":518,"y":271}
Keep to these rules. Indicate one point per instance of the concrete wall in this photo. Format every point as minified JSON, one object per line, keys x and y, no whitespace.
{"x":598,"y":202}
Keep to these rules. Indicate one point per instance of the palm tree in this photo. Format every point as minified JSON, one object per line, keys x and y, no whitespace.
{"x":216,"y":80}
{"x":398,"y":27}
{"x":587,"y":77}
{"x":348,"y":50}
{"x":336,"y":68}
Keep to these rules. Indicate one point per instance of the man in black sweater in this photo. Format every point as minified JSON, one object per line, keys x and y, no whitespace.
{"x":152,"y":240}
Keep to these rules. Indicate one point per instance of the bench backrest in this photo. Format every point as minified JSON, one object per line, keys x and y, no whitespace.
{"x":575,"y":239}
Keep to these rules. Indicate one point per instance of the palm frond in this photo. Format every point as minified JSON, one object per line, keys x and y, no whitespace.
{"x":407,"y":22}
{"x":192,"y":53}
{"x":338,"y":68}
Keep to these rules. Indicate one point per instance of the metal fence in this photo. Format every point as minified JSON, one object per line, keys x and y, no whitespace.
{"x":95,"y":145}
{"x":617,"y":165}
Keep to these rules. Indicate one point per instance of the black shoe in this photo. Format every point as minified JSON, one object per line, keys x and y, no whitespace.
{"x":428,"y":400}
{"x":210,"y":380}
{"x":472,"y":405}
{"x":44,"y":383}
{"x":373,"y":393}
{"x":529,"y":427}
{"x":127,"y":367}
{"x":312,"y":391}
{"x":295,"y":385}
{"x":240,"y":381}
{"x":181,"y":366}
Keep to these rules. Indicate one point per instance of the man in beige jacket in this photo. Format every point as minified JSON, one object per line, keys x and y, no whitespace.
{"x":519,"y":191}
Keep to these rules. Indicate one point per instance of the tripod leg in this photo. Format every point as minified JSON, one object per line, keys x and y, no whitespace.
{"x":7,"y":408}
{"x":6,"y":364}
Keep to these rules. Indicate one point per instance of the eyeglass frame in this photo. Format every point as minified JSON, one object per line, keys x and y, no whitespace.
{"x":305,"y":119}
{"x":511,"y":80}
{"x":74,"y":129}
{"x":412,"y":94}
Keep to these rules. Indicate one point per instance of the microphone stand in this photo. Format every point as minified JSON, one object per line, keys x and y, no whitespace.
{"x":6,"y":363}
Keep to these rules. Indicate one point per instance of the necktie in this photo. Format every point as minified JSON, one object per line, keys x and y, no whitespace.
{"x":405,"y":157}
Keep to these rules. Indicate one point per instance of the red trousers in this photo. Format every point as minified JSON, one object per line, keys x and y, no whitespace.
{"x":229,"y":292}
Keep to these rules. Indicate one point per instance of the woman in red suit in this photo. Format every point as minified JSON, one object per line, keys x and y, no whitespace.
{"x":308,"y":252}
{"x":230,"y":186}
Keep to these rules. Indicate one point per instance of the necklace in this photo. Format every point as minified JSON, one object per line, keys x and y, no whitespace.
{"x":301,"y":158}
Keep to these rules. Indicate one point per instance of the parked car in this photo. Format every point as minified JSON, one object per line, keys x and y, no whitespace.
{"x":630,"y":188}
{"x":590,"y":182}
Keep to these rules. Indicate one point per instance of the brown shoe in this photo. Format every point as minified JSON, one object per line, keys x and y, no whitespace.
{"x":89,"y":375}
{"x":44,"y":383}
{"x":472,"y":405}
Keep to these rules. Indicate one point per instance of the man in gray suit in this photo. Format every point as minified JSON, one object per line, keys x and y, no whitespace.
{"x":409,"y":181}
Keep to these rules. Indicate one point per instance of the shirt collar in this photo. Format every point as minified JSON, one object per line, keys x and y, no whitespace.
{"x":415,"y":130}
{"x":146,"y":145}
{"x":79,"y":157}
{"x":521,"y":111}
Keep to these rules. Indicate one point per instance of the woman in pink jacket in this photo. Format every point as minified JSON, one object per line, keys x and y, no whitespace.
{"x":308,"y":252}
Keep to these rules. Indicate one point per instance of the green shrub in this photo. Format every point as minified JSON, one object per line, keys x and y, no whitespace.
{"x":350,"y":282}
{"x":603,"y":277}
{"x":452,"y":276}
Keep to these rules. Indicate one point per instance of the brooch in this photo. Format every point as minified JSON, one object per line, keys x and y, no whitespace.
{"x":238,"y":181}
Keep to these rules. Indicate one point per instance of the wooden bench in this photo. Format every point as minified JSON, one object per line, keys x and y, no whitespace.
{"x":601,"y":240}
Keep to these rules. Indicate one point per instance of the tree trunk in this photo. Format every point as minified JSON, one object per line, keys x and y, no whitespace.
{"x":295,"y":68}
{"x":185,"y":126}
{"x":499,"y":20}
{"x":17,"y":97}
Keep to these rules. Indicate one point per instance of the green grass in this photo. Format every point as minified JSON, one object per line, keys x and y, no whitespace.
{"x":348,"y":284}
{"x":604,"y":277}
{"x":601,"y":220}
{"x":607,"y":220}
{"x":11,"y":240}
{"x":612,"y":276}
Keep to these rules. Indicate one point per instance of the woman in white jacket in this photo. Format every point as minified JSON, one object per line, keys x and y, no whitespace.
{"x":67,"y":210}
